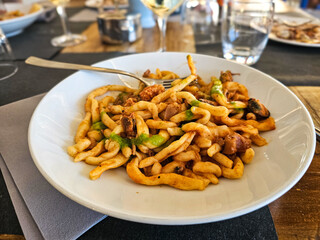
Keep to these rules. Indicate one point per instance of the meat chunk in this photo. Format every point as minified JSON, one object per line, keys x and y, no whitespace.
{"x":226,"y":76}
{"x":234,"y":142}
{"x":123,"y":99}
{"x":258,"y":108}
{"x":171,"y":110}
{"x":150,"y":92}
{"x":128,"y":124}
{"x":130,"y":101}
{"x":146,"y":74}
{"x":219,"y":140}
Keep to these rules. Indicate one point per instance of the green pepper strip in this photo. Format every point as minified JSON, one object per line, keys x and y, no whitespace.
{"x":155,"y":140}
{"x":217,"y":87}
{"x":123,"y":142}
{"x":98,"y":126}
{"x":189,"y":115}
{"x":195,"y":103}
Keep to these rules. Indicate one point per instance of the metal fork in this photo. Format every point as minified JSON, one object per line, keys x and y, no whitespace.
{"x":71,"y":66}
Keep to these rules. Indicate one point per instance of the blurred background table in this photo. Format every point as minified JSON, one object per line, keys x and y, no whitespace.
{"x":296,"y":214}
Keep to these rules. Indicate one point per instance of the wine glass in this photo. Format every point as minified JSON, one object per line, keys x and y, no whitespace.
{"x":68,"y":38}
{"x":7,"y":65}
{"x":162,"y":8}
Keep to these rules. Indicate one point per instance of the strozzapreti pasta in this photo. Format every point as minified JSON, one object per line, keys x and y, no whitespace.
{"x":186,"y":137}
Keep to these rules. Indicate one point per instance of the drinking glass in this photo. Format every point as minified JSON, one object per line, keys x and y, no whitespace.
{"x":162,"y":8}
{"x":147,"y":20}
{"x":203,"y":16}
{"x":7,"y":65}
{"x":68,"y":38}
{"x":294,"y":3}
{"x":245,"y":28}
{"x":3,"y":8}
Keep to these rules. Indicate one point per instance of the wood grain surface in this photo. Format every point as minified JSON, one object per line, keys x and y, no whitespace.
{"x":11,"y":237}
{"x":310,"y":97}
{"x":296,"y":214}
{"x":179,"y":38}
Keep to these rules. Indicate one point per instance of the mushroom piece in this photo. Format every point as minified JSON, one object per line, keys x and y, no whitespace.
{"x":171,"y":110}
{"x":257,"y":108}
{"x":128,"y":124}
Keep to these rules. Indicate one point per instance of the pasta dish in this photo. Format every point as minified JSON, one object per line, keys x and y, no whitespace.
{"x":18,"y":13}
{"x":187,"y":136}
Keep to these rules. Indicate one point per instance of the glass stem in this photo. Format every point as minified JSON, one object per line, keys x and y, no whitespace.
{"x":162,"y":23}
{"x":63,"y":17}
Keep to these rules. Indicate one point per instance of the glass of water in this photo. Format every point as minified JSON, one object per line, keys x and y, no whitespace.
{"x":245,"y":28}
{"x":203,"y":16}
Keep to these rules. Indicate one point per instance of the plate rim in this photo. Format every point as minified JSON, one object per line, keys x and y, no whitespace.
{"x":273,"y":37}
{"x":180,"y":220}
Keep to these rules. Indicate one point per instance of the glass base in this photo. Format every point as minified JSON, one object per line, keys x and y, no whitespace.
{"x":7,"y":70}
{"x":68,"y":40}
{"x":243,"y":56}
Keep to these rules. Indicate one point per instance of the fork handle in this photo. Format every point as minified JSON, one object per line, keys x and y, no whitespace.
{"x":71,"y":66}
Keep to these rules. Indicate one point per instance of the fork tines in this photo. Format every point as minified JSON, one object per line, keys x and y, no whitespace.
{"x":167,"y":83}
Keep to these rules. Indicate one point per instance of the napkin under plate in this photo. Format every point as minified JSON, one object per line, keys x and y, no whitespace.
{"x":56,"y":216}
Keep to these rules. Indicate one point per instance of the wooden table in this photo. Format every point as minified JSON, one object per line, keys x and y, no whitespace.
{"x":179,"y":38}
{"x":296,"y":214}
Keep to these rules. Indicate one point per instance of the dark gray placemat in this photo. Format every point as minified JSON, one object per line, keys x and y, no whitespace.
{"x":36,"y":39}
{"x":29,"y":229}
{"x":255,"y":225}
{"x":30,"y":80}
{"x":8,"y":219}
{"x":291,"y":65}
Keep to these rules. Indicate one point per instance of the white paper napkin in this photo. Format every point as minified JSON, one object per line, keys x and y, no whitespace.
{"x":56,"y":216}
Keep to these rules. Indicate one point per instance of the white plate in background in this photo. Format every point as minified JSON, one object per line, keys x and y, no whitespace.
{"x":296,"y":20}
{"x":275,"y":168}
{"x":15,"y":26}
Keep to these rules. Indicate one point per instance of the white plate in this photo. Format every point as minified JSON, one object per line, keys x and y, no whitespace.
{"x":296,"y":20}
{"x":15,"y":26}
{"x":274,"y":170}
{"x":292,"y":42}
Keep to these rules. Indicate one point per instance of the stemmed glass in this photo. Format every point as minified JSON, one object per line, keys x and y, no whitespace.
{"x":7,"y":65}
{"x":162,"y":8}
{"x":68,"y":38}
